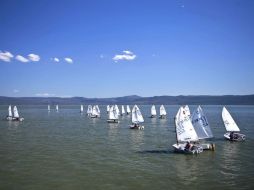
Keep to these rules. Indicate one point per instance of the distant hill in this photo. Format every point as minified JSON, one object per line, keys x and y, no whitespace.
{"x":168,"y":100}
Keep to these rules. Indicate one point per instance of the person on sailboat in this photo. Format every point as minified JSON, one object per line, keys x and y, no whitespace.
{"x":231,"y":135}
{"x":188,"y":146}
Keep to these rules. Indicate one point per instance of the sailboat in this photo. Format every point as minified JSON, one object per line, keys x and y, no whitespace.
{"x":128,"y":110}
{"x":231,"y":127}
{"x":56,"y":108}
{"x":185,"y":134}
{"x":81,"y":108}
{"x":153,"y":111}
{"x":48,"y":108}
{"x":89,"y":110}
{"x":108,"y":108}
{"x":202,"y":128}
{"x":16,"y":115}
{"x":136,"y":118}
{"x":123,"y":110}
{"x":9,"y":116}
{"x":113,"y":116}
{"x":163,"y":112}
{"x":95,"y":112}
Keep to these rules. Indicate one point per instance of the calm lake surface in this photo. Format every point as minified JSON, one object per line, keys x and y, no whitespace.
{"x":67,"y":150}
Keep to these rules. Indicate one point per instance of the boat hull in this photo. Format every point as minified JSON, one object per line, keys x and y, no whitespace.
{"x":180,"y":148}
{"x":236,"y":137}
{"x":113,"y":121}
{"x":17,"y":119}
{"x":139,"y":127}
{"x":208,"y":146}
{"x":162,"y":117}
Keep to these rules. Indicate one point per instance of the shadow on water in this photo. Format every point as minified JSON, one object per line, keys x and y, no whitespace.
{"x":156,"y":152}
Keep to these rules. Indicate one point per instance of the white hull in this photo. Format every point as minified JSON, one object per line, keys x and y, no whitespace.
{"x":180,"y":148}
{"x":17,"y":119}
{"x":112,"y":121}
{"x":140,"y":127}
{"x":208,"y":146}
{"x":94,"y":116}
{"x":236,"y":137}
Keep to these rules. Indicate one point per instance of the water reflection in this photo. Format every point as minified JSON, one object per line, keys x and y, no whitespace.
{"x":230,"y":156}
{"x":13,"y":125}
{"x":137,"y":138}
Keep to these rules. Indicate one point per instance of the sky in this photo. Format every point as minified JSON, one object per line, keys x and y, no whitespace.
{"x":112,"y":48}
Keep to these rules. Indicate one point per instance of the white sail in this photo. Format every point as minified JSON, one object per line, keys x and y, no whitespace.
{"x":48,"y":107}
{"x":15,"y":112}
{"x":108,"y":108}
{"x":81,"y":108}
{"x":9,"y":110}
{"x":187,"y":110}
{"x":153,"y":110}
{"x":136,"y":115}
{"x":123,"y":110}
{"x":184,"y":128}
{"x":98,"y":110}
{"x":162,"y":110}
{"x":89,"y":110}
{"x":117,"y":110}
{"x":229,"y":121}
{"x":56,"y":107}
{"x":128,"y":110}
{"x":201,"y":124}
{"x":112,"y":113}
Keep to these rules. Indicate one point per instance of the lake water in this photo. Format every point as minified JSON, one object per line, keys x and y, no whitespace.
{"x":67,"y":150}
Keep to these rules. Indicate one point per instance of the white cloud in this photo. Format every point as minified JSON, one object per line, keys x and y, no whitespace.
{"x":127,"y":55}
{"x":5,"y":56}
{"x":68,"y":60}
{"x":33,"y":57}
{"x":56,"y":59}
{"x":15,"y":91}
{"x":44,"y":94}
{"x":127,"y":52}
{"x":22,"y":59}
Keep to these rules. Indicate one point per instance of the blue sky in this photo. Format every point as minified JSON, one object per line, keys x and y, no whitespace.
{"x":116,"y":48}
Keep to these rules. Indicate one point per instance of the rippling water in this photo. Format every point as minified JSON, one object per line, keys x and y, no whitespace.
{"x":67,"y":150}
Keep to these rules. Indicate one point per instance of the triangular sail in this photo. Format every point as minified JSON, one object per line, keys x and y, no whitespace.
{"x":89,"y":110}
{"x":117,"y":110}
{"x":108,"y":108}
{"x":56,"y":107}
{"x":162,"y":110}
{"x":128,"y":110}
{"x":48,"y":107}
{"x":98,"y":110}
{"x":184,"y":128}
{"x":112,"y":113}
{"x":9,"y":110}
{"x":81,"y":108}
{"x":229,"y":121}
{"x":201,"y":124}
{"x":136,"y":115}
{"x":15,"y":112}
{"x":123,"y":110}
{"x":153,"y":110}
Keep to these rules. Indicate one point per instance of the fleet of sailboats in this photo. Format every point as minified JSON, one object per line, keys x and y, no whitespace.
{"x":191,"y":129}
{"x":231,"y":127}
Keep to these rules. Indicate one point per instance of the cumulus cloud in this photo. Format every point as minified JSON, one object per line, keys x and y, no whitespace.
{"x":22,"y":59}
{"x":126,"y":55}
{"x":5,"y":56}
{"x":68,"y":60}
{"x":44,"y":94}
{"x":33,"y":57}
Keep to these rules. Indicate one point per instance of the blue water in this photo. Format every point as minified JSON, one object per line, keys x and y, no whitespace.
{"x":67,"y":150}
